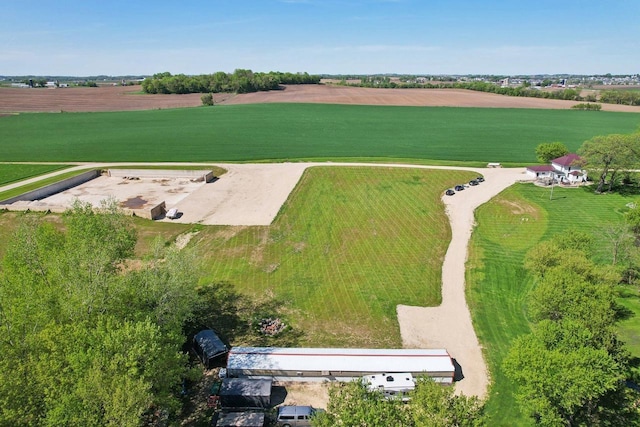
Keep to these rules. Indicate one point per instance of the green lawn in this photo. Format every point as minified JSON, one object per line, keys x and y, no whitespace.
{"x":301,"y":131}
{"x":14,"y":173}
{"x":508,"y":226}
{"x":348,"y":246}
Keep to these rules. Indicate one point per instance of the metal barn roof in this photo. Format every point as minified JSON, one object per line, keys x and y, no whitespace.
{"x":339,"y":359}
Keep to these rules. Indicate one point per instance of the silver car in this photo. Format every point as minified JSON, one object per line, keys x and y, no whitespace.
{"x":295,"y":416}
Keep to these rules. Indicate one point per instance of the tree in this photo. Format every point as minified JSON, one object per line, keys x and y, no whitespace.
{"x":353,"y":404}
{"x":87,"y":339}
{"x":550,"y":150}
{"x":570,"y":369}
{"x":207,"y":99}
{"x":435,"y":405}
{"x":430,"y":404}
{"x":609,"y":154}
{"x":565,"y":378}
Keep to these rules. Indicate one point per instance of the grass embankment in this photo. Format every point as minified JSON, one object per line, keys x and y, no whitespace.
{"x":302,"y":131}
{"x":348,"y":246}
{"x":17,"y":172}
{"x":509,"y":226}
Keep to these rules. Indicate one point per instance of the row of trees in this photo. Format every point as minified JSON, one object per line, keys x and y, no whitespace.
{"x":571,"y":368}
{"x":385,"y":82}
{"x":240,"y":81}
{"x":431,"y":404}
{"x":89,"y":338}
{"x":625,"y":97}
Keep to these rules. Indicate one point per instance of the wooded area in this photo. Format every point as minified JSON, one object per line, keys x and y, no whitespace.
{"x":90,"y":338}
{"x":240,"y":81}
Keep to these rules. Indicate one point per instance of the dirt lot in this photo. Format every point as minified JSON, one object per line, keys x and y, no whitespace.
{"x":120,"y":98}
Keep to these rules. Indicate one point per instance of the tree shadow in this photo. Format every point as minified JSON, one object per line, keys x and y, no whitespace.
{"x":236,"y":317}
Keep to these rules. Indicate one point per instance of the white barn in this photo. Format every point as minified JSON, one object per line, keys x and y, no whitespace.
{"x":337,"y":364}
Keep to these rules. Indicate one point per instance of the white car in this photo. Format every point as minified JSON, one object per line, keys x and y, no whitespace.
{"x":172,"y":213}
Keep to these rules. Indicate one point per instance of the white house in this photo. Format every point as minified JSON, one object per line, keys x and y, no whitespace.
{"x":565,"y":169}
{"x":568,"y":168}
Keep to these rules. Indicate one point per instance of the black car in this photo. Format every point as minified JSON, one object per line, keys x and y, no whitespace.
{"x":480,"y":179}
{"x":449,"y":192}
{"x":473,"y":182}
{"x":459,"y":187}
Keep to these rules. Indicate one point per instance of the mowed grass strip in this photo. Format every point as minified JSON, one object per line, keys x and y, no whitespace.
{"x":17,"y":172}
{"x":302,"y":131}
{"x":497,"y":284}
{"x":347,"y":247}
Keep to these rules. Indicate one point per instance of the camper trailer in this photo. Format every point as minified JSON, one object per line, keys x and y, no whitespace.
{"x":392,"y":386}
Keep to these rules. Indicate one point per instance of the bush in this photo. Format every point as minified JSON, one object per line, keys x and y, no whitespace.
{"x":207,"y":99}
{"x":587,"y":106}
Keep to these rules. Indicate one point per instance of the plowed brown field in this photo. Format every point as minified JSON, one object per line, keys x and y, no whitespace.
{"x":119,"y":98}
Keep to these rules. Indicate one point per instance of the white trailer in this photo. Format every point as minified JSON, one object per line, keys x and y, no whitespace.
{"x":392,"y":386}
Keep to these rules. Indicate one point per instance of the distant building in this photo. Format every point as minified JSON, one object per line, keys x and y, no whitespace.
{"x":566,"y":169}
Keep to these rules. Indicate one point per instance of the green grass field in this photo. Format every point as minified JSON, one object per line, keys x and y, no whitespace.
{"x":301,"y":131}
{"x":508,"y":226}
{"x":349,"y":245}
{"x":14,"y":173}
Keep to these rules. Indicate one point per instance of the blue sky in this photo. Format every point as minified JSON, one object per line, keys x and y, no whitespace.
{"x":86,"y":37}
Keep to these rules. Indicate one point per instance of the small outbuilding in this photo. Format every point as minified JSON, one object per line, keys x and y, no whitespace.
{"x":245,"y":393}
{"x":208,"y":346}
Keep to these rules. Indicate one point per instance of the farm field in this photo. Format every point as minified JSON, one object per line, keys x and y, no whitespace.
{"x":17,"y":172}
{"x":302,"y":131}
{"x":126,"y":98}
{"x":497,"y":284}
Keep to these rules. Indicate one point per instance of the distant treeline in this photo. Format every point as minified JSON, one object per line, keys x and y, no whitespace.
{"x":627,"y":97}
{"x":240,"y":81}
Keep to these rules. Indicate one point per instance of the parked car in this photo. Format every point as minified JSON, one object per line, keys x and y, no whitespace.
{"x":296,"y":416}
{"x":473,"y":182}
{"x":450,"y":192}
{"x":480,"y":179}
{"x":459,"y":187}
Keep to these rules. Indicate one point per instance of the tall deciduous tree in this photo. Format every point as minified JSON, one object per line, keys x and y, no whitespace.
{"x":609,"y":154}
{"x":571,"y":369}
{"x":550,"y":150}
{"x":565,"y":378}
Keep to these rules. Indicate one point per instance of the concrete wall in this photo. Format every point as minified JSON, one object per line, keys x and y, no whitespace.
{"x":204,"y":175}
{"x":154,"y":213}
{"x":48,"y":190}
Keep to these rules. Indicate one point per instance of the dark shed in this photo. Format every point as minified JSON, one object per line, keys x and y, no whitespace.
{"x":208,"y":346}
{"x":245,"y":393}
